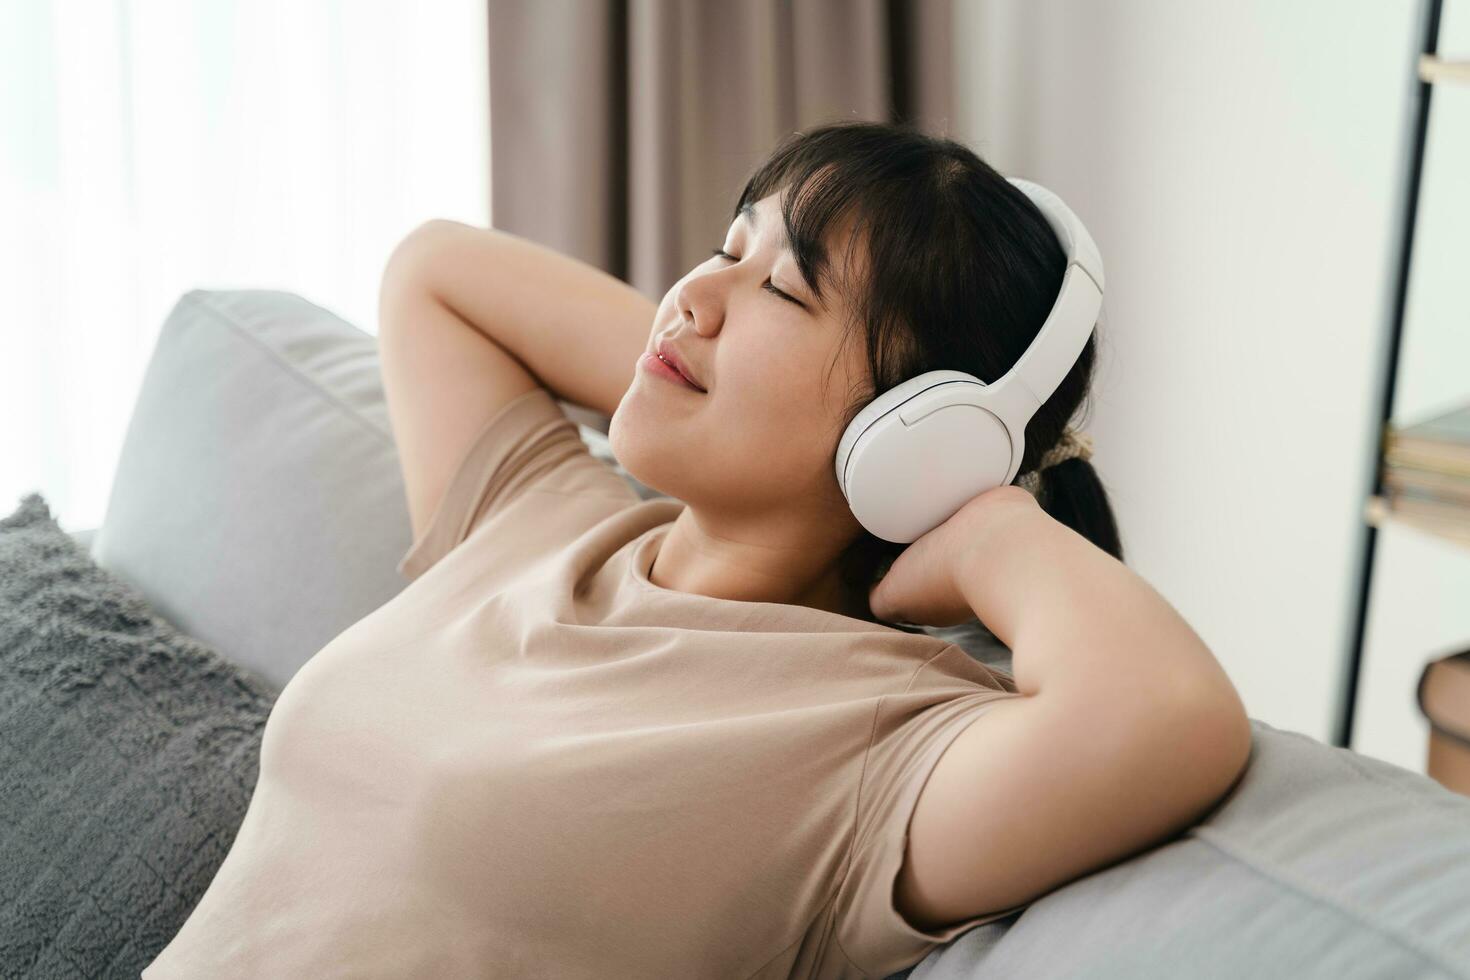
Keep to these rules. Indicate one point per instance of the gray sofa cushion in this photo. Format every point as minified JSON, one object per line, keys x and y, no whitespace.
{"x":1322,"y":863}
{"x":258,"y":502}
{"x":128,"y":753}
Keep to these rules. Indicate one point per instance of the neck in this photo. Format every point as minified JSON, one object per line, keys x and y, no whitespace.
{"x":755,"y":563}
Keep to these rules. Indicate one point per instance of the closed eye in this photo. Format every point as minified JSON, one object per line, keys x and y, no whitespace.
{"x":768,"y":286}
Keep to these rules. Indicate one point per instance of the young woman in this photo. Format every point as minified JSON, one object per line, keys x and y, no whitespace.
{"x":602,"y":736}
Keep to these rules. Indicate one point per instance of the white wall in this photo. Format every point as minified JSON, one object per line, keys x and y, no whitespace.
{"x":1239,"y":165}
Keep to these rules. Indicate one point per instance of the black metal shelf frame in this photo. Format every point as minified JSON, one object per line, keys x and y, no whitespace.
{"x":1409,"y":204}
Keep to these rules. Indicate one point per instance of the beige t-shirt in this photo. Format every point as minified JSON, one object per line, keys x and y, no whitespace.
{"x":534,"y":762}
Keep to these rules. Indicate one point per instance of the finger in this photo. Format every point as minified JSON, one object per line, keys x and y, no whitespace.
{"x":879,"y":604}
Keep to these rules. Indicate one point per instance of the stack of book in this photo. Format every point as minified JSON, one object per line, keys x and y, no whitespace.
{"x":1426,"y":475}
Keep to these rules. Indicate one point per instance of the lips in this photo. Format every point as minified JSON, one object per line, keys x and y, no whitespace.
{"x":667,"y":353}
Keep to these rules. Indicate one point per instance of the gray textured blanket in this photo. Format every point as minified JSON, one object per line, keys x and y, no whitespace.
{"x":128,"y":753}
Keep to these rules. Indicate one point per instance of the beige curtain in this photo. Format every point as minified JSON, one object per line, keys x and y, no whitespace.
{"x":623,"y":130}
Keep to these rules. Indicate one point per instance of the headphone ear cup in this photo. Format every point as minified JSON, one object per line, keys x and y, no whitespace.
{"x":903,"y":480}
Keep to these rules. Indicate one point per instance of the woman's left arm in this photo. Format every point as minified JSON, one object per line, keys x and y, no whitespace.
{"x":1126,"y":732}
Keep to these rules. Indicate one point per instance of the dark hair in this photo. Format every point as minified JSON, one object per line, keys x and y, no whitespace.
{"x":963,"y":269}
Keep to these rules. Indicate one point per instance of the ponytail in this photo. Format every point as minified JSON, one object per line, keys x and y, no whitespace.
{"x":1071,"y":493}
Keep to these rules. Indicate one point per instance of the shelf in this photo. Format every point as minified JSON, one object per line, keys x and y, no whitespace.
{"x":1379,"y":513}
{"x":1438,"y":71}
{"x":1433,"y":71}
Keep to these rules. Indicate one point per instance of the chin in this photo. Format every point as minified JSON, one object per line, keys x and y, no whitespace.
{"x":640,"y":455}
{"x":666,"y":457}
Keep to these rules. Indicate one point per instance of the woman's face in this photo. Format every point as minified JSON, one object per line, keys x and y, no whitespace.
{"x":760,"y":439}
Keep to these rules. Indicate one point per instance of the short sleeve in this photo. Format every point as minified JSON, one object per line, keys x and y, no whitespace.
{"x":529,"y":444}
{"x":871,"y":932}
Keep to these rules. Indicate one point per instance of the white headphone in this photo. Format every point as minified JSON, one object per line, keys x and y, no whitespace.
{"x":923,"y":449}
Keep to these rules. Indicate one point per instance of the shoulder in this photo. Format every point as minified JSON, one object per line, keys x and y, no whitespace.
{"x":935,"y":884}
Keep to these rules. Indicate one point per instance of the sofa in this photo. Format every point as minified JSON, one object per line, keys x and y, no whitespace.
{"x":258,"y":505}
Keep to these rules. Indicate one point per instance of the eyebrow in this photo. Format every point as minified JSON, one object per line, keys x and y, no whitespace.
{"x":747,"y":211}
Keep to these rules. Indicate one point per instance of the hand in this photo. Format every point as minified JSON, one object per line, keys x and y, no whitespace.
{"x":923,"y":584}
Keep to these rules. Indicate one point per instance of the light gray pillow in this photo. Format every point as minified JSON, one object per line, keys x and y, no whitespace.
{"x":258,"y":502}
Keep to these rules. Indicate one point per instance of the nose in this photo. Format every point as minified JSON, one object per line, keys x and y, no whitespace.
{"x":700,"y":300}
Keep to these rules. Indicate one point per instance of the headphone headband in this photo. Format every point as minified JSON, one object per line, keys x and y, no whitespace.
{"x":1071,"y":320}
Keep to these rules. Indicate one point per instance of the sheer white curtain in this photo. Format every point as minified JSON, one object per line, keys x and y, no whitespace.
{"x":153,"y":147}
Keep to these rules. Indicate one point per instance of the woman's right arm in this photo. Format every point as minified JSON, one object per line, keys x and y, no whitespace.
{"x":577,"y":329}
{"x":469,"y":319}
